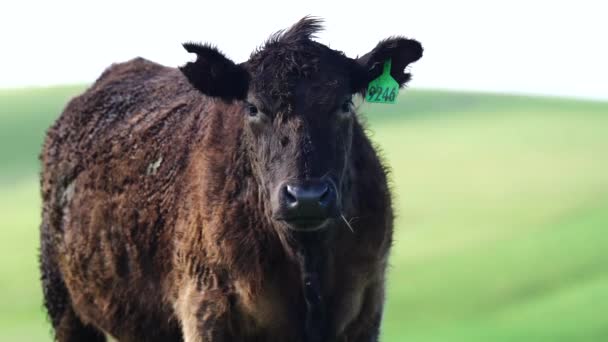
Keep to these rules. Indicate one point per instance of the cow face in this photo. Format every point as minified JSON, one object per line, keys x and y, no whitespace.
{"x":297,"y":107}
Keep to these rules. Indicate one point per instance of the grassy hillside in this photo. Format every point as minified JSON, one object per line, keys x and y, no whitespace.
{"x":502,"y":207}
{"x":25,"y":114}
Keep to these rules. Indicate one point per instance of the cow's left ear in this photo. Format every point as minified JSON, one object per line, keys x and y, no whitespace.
{"x":400,"y":51}
{"x":215,"y":75}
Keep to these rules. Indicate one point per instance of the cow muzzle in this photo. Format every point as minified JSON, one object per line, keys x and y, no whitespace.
{"x":306,"y":205}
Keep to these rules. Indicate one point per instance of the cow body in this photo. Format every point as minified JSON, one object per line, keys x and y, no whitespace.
{"x":220,"y":201}
{"x":152,"y":225}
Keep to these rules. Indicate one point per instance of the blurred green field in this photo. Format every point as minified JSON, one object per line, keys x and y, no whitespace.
{"x":502,"y":203}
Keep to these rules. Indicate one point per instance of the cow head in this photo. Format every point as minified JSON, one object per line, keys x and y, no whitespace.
{"x":296,"y":97}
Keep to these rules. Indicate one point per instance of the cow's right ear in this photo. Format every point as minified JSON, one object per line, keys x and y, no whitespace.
{"x":215,"y":75}
{"x":401,"y":51}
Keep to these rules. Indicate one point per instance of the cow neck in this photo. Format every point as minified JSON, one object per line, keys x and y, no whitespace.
{"x":312,"y":254}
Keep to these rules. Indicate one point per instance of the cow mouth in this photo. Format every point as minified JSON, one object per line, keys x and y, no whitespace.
{"x":307,"y":224}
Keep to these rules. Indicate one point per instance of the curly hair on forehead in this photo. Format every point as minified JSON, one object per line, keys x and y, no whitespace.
{"x":303,"y":30}
{"x":291,"y":55}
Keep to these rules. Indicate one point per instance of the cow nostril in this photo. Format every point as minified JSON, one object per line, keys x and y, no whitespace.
{"x":290,"y":195}
{"x":325,"y":195}
{"x":306,"y":203}
{"x":308,"y":199}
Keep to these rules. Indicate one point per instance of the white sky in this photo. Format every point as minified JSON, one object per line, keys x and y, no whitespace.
{"x":538,"y":47}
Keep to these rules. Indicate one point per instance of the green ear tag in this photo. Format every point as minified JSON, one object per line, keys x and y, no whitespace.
{"x":383,"y":89}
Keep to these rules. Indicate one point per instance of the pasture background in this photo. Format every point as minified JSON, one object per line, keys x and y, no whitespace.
{"x":502,"y":204}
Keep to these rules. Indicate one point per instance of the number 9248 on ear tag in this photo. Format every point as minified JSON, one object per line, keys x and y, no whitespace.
{"x":383,"y":89}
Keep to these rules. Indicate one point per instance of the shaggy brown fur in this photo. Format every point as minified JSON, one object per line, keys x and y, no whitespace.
{"x":156,"y":227}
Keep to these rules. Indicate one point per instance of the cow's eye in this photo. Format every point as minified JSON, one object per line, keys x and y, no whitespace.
{"x":346,"y":106}
{"x":252,"y":109}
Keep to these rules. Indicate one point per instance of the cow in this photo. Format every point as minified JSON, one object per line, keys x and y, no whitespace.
{"x":221,"y":201}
